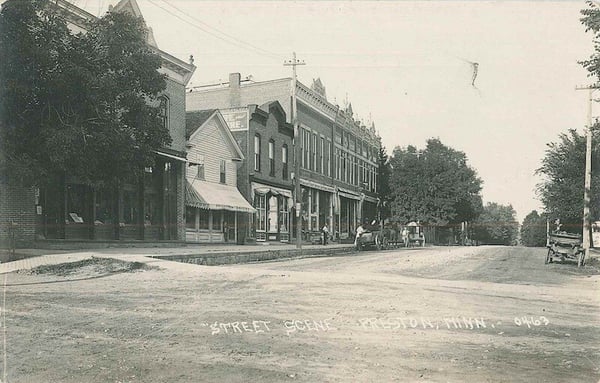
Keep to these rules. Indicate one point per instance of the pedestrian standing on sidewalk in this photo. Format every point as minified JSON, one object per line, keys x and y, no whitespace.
{"x":325,"y":231}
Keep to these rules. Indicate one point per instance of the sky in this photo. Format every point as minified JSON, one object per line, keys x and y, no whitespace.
{"x":406,"y":66}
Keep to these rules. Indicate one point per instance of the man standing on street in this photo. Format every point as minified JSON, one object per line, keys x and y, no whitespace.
{"x":325,"y":231}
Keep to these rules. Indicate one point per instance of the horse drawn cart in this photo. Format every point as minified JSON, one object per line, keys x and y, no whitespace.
{"x":565,"y":245}
{"x":392,"y":236}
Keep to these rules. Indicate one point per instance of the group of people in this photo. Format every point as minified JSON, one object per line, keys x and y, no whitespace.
{"x":361,"y":228}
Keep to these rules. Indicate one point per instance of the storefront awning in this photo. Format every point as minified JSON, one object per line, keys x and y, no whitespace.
{"x":258,"y":188}
{"x":213,"y":196}
{"x":171,"y":156}
{"x":371,"y":199}
{"x":316,"y":185}
{"x":349,"y":195}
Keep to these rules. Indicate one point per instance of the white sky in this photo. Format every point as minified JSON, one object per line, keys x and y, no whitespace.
{"x":404,"y":63}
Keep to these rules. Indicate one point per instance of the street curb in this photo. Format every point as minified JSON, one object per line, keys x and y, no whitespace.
{"x":228,"y":258}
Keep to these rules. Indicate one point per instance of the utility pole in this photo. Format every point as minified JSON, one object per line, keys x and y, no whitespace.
{"x":296,"y":143}
{"x":588,"y":178}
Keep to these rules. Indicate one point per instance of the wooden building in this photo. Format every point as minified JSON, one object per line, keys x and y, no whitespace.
{"x":215,"y":209}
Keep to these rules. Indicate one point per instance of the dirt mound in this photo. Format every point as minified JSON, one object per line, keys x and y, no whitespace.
{"x":89,"y":267}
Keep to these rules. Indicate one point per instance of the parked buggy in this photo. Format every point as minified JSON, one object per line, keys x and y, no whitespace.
{"x":392,"y":236}
{"x":565,"y":245}
{"x":415,"y":234}
{"x":371,"y":236}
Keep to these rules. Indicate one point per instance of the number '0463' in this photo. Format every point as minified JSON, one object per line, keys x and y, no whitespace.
{"x":531,"y":321}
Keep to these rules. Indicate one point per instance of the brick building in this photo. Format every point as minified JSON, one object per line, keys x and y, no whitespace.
{"x":265,"y":178}
{"x":338,"y":154}
{"x":152,"y":208}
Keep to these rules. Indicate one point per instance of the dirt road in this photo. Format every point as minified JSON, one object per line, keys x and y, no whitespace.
{"x":477,"y":314}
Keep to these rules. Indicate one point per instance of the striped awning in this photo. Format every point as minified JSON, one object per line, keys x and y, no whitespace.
{"x":214,"y":196}
{"x":258,"y":188}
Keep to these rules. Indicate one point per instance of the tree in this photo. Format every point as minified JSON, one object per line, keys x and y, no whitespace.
{"x":563,"y":168}
{"x":82,"y":104}
{"x":591,"y":21}
{"x":383,"y":182}
{"x":533,"y":230}
{"x":497,"y":225}
{"x":435,"y":186}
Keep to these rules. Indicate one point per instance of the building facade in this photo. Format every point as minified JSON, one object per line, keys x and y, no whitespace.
{"x":149,"y":208}
{"x":337,"y":153}
{"x":216,"y":212}
{"x":265,"y":178}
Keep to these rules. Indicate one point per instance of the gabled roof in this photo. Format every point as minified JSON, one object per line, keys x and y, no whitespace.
{"x":275,"y":108}
{"x":196,"y":121}
{"x":133,"y":8}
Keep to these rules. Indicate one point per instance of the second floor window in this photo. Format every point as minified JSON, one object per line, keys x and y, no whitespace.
{"x":271,"y":158}
{"x":200,"y":160}
{"x":284,"y":161}
{"x":321,"y":165}
{"x":222,"y":174}
{"x":313,"y":153}
{"x":257,"y":153}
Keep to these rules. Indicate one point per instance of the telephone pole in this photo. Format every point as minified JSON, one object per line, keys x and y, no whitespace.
{"x":588,"y":177}
{"x":294,"y":62}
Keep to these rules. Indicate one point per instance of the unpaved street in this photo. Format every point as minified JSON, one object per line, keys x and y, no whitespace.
{"x":448,"y":314}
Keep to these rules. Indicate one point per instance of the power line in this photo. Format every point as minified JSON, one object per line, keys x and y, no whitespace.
{"x":233,"y":41}
{"x":219,"y":31}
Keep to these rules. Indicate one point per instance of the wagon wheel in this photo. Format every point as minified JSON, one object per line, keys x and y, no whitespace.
{"x":549,"y":256}
{"x":385,"y":243}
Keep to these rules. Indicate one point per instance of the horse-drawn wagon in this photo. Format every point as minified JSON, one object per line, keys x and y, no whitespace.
{"x":391,"y":236}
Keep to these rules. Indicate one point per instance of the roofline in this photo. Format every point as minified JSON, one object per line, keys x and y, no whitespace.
{"x":232,"y":140}
{"x":221,"y":85}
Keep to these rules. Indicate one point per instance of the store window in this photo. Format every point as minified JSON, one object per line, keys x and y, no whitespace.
{"x":190,"y":217}
{"x":130,"y":207}
{"x":273,"y":209}
{"x":104,"y":211}
{"x":305,"y":205}
{"x":204,"y":217}
{"x":314,"y":209}
{"x":76,"y":203}
{"x":260,"y":204}
{"x":283,"y":215}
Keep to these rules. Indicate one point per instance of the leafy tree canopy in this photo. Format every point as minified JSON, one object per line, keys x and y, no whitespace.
{"x":563,"y":169}
{"x":435,"y":186}
{"x":383,"y":182}
{"x":533,"y":230}
{"x":591,"y":21}
{"x":497,"y":225}
{"x":81,"y":104}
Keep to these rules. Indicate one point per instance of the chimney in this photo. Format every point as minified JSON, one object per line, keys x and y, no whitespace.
{"x":234,"y":90}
